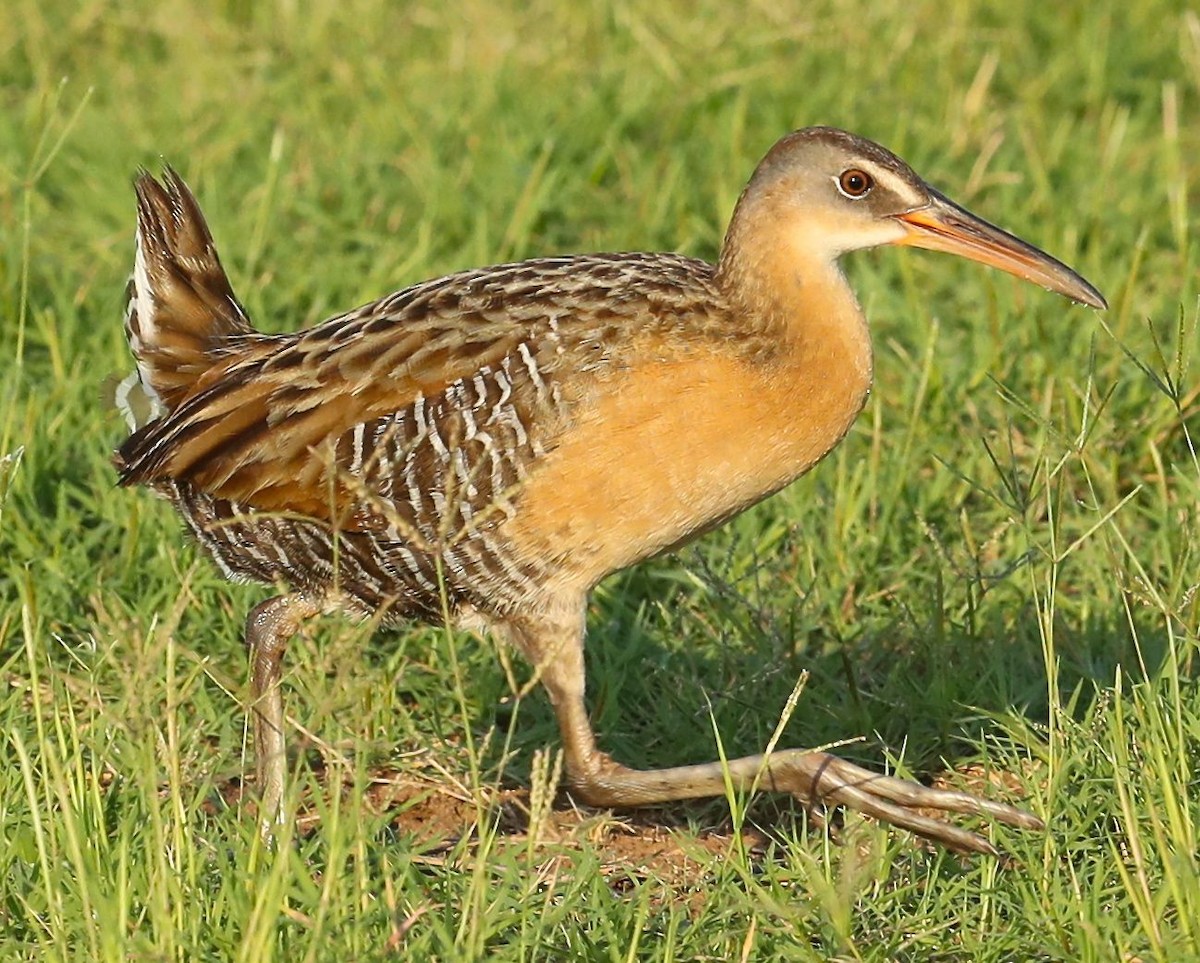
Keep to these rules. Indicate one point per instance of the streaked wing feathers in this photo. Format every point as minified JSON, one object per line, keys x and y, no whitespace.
{"x":263,"y":428}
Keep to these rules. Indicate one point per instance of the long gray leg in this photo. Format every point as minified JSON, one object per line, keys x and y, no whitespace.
{"x":813,"y":777}
{"x":269,"y":628}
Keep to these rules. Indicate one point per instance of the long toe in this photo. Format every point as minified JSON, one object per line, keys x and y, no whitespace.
{"x":900,"y":802}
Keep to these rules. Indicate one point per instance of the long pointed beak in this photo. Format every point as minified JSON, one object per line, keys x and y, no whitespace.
{"x":944,"y":226}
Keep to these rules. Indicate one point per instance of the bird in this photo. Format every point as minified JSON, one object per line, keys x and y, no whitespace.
{"x":486,"y":447}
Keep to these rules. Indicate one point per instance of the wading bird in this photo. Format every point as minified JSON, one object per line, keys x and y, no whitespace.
{"x":495,"y":442}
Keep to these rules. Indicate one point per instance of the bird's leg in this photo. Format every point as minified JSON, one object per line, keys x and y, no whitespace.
{"x":816,"y":778}
{"x":269,"y":628}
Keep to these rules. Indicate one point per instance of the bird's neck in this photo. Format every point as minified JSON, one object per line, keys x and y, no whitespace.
{"x":814,"y":349}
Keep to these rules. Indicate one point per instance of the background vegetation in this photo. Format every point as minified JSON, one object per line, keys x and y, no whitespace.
{"x":993,"y":581}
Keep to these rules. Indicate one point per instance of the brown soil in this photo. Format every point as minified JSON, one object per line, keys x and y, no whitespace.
{"x":429,"y":807}
{"x":437,"y":816}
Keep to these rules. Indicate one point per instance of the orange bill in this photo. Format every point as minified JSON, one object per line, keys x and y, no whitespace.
{"x":942,"y":225}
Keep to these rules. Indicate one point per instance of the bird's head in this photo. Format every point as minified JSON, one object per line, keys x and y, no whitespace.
{"x":829,"y":192}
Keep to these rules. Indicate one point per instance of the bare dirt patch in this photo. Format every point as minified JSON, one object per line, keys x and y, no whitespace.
{"x":438,"y":814}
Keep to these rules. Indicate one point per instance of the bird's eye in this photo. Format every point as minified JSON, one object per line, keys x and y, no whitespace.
{"x":855,"y":183}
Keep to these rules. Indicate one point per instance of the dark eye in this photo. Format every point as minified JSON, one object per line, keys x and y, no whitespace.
{"x":855,"y":183}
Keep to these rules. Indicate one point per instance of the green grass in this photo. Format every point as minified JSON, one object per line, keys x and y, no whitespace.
{"x":997,"y":568}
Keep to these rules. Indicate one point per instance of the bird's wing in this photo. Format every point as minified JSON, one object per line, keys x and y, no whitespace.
{"x":278,"y":424}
